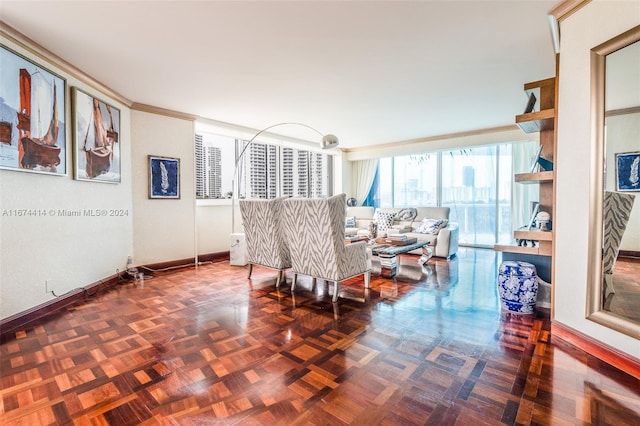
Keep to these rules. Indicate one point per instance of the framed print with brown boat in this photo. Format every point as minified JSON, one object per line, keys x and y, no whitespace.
{"x":32,"y":116}
{"x":96,"y":130}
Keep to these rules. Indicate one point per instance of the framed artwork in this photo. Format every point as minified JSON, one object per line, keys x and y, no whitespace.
{"x":164,"y":177}
{"x":96,"y":130}
{"x":535,"y":208}
{"x":32,"y":116}
{"x":534,"y":165}
{"x":627,"y":176}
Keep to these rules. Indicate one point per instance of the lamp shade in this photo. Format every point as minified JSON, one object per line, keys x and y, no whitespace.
{"x":329,"y":141}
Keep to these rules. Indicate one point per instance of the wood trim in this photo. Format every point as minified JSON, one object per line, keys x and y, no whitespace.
{"x":214,"y":257}
{"x":47,"y":56}
{"x":622,"y":111}
{"x":19,"y":320}
{"x":559,"y":12}
{"x":9,"y":325}
{"x":566,"y":8}
{"x":630,"y":254}
{"x":602,"y":351}
{"x":136,"y":106}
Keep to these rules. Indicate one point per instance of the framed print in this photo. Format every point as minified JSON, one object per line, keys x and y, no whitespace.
{"x":534,"y":164}
{"x":32,"y":116}
{"x":164,"y":177}
{"x":96,"y":131}
{"x":627,"y":177}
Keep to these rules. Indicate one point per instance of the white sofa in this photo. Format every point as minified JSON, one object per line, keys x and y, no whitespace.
{"x":443,"y":242}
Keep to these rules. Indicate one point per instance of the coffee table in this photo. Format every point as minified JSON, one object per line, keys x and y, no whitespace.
{"x":387,"y":254}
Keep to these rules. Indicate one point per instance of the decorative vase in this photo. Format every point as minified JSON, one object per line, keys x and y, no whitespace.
{"x":373,"y":229}
{"x":518,"y":287}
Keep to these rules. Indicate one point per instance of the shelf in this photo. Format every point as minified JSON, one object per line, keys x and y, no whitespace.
{"x":537,"y":121}
{"x":512,"y":248}
{"x":548,"y":84}
{"x":537,"y":177}
{"x":533,"y":235}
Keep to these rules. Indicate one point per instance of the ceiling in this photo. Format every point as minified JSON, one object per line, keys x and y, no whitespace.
{"x":371,"y":72}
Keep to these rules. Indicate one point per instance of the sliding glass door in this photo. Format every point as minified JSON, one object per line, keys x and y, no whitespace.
{"x":476,"y":183}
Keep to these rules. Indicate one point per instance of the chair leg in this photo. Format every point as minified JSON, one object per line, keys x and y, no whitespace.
{"x":336,"y":291}
{"x":279,"y":280}
{"x":367,"y":279}
{"x":293,"y":282}
{"x":250,"y":270}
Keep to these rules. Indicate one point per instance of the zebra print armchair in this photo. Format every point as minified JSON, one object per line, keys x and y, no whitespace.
{"x":616,"y":213}
{"x":315,"y":234}
{"x":264,"y":236}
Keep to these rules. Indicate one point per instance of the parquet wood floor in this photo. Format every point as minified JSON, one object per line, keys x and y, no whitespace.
{"x":207,"y":346}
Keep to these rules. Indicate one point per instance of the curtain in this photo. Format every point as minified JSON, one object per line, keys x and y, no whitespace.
{"x":522,"y":157}
{"x":363,"y":173}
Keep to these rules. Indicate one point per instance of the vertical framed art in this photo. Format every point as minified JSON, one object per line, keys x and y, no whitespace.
{"x":628,"y":171}
{"x":32,"y":116}
{"x":96,"y":131}
{"x":164,"y":177}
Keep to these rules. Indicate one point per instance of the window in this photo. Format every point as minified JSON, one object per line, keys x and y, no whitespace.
{"x":475,"y":183}
{"x":214,"y":165}
{"x":415,"y":180}
{"x":265,"y":171}
{"x":469,"y":188}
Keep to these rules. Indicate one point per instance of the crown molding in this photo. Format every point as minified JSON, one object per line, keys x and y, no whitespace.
{"x":136,"y":106}
{"x":559,"y":12}
{"x":503,"y":134}
{"x":566,"y":8}
{"x":45,"y":55}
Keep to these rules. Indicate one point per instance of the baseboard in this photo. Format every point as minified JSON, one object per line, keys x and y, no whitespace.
{"x":602,"y":351}
{"x":183,"y":263}
{"x":9,"y":325}
{"x":15,"y":322}
{"x":629,"y":254}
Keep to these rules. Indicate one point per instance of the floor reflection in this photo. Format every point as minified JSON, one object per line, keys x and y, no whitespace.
{"x":209,"y":346}
{"x":626,"y":283}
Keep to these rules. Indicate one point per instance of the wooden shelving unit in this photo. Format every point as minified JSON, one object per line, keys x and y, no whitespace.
{"x":542,"y":251}
{"x":542,"y":121}
{"x":537,"y":121}
{"x":537,"y":177}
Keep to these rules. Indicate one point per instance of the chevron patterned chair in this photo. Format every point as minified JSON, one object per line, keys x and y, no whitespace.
{"x":315,"y":234}
{"x":616,"y":213}
{"x":264,"y":235}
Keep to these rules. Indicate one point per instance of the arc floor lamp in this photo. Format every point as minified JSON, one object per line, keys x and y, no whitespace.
{"x":328,"y":141}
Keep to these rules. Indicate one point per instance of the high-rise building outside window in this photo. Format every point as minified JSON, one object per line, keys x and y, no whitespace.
{"x":474,"y":182}
{"x":265,"y":170}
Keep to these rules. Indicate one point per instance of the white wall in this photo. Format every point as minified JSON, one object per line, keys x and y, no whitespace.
{"x":164,"y":229}
{"x":213,"y":219}
{"x":595,"y":23}
{"x":69,"y":252}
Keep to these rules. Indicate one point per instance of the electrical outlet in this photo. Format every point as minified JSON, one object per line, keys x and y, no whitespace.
{"x":46,"y":287}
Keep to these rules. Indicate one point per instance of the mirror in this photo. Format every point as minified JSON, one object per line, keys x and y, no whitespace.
{"x":614,"y":298}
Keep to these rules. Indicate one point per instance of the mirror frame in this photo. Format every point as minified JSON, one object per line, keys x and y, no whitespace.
{"x":595,"y":311}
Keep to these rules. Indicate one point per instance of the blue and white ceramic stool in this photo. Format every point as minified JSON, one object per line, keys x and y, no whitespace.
{"x":518,"y":286}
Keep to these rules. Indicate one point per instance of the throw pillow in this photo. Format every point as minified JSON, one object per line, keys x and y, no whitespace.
{"x":408,"y":214}
{"x":384,"y":220}
{"x":430,"y":226}
{"x":350,"y":222}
